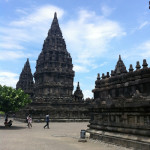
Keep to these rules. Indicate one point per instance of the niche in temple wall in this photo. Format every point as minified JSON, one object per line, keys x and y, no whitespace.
{"x":51,"y":90}
{"x":146,"y":88}
{"x":131,"y":119}
{"x":46,"y":91}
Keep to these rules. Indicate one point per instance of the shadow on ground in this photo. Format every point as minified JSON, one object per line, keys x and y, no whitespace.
{"x":11,"y":128}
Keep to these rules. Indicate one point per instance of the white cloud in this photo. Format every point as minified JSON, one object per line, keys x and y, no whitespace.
{"x":141,"y":51}
{"x":8,"y":78}
{"x":87,"y":94}
{"x":89,"y":35}
{"x":5,"y":45}
{"x":86,"y":36}
{"x":106,"y":11}
{"x":30,"y":29}
{"x":11,"y":55}
{"x":143,"y":25}
{"x":40,"y":15}
{"x":77,"y":68}
{"x":144,"y":49}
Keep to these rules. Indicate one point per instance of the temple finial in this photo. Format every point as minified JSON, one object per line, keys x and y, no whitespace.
{"x":119,"y":57}
{"x":98,"y":76}
{"x":131,"y":68}
{"x":138,"y":65}
{"x":78,"y":84}
{"x":55,"y":15}
{"x":144,"y":64}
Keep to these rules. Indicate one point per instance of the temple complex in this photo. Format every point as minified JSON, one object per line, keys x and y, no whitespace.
{"x":120,"y":112}
{"x":26,"y":80}
{"x":53,"y":87}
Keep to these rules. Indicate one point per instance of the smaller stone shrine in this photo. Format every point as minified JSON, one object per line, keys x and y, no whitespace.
{"x":120,"y":112}
{"x":78,"y":95}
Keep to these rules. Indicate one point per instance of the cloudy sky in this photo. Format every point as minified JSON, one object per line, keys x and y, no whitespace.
{"x":95,"y":31}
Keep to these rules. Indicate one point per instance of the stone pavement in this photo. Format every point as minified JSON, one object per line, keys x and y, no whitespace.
{"x":60,"y":136}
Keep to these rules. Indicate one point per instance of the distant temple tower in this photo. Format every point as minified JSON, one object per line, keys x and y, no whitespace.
{"x":78,"y":95}
{"x":26,"y":79}
{"x":54,"y":69}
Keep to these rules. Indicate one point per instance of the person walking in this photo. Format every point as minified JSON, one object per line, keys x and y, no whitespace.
{"x":29,"y":119}
{"x":47,"y":121}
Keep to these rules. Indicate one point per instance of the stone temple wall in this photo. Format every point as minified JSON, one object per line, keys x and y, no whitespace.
{"x":121,"y":107}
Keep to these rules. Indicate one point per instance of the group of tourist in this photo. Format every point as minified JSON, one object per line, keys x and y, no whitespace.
{"x":29,"y":121}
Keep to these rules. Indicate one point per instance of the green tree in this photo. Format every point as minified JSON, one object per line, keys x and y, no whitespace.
{"x":12,"y":99}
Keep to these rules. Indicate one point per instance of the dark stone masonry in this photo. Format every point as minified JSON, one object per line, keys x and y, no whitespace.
{"x":121,"y":106}
{"x":26,"y":80}
{"x":54,"y":74}
{"x":53,"y":88}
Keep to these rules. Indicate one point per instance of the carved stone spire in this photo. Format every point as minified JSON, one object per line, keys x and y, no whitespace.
{"x":108,"y":75}
{"x":26,"y":80}
{"x":103,"y":76}
{"x":144,"y":64}
{"x":97,"y":82}
{"x":138,"y":65}
{"x":120,"y":67}
{"x":131,"y":68}
{"x":112,"y":73}
{"x":78,"y":93}
{"x":54,"y":40}
{"x":98,"y":76}
{"x":54,"y":74}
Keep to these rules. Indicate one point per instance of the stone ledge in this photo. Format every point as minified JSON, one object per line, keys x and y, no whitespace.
{"x":54,"y":120}
{"x":126,"y":140}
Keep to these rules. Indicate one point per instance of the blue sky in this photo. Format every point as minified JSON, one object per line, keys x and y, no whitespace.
{"x":95,"y":31}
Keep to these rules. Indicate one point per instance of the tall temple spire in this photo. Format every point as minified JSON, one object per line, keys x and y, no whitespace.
{"x":26,"y":79}
{"x":54,"y":40}
{"x":54,"y":69}
{"x":55,"y":29}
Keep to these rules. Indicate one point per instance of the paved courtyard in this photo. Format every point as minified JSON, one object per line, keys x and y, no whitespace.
{"x":60,"y":136}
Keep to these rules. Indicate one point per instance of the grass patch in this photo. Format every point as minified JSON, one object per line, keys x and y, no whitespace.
{"x":2,"y":113}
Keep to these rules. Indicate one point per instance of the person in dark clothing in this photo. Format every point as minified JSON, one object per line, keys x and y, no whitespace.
{"x":6,"y":118}
{"x":47,"y":121}
{"x":9,"y":123}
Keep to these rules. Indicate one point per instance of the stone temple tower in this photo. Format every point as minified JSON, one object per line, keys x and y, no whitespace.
{"x":78,"y":95}
{"x":54,"y":69}
{"x":26,"y":79}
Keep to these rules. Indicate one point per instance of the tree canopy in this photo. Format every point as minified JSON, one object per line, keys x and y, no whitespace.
{"x":12,"y":99}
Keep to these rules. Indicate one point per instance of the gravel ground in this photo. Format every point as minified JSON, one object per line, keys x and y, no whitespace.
{"x":60,"y":136}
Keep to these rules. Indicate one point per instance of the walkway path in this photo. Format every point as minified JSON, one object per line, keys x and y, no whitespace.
{"x":60,"y":136}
